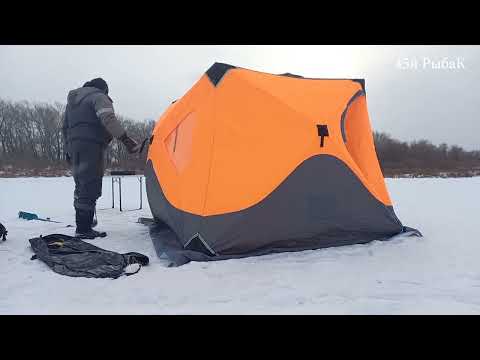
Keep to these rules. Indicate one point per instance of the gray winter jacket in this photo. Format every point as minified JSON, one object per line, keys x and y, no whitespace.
{"x":89,"y":116}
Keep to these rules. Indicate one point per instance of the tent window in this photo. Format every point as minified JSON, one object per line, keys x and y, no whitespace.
{"x":179,"y":142}
{"x":360,"y":143}
{"x":345,"y":112}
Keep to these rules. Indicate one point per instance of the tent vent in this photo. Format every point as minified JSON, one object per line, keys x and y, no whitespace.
{"x":361,"y":82}
{"x":322,"y":132}
{"x":197,"y":243}
{"x":292,"y":75}
{"x":217,"y":71}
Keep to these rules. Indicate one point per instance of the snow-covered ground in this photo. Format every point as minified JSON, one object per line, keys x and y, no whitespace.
{"x":436,"y":274}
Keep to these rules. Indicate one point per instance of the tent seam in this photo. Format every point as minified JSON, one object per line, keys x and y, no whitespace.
{"x":304,"y":116}
{"x":207,"y":187}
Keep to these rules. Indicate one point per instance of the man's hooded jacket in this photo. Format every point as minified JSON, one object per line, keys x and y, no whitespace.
{"x":90,"y":117}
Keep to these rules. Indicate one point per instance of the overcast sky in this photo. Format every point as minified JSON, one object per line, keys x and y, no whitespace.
{"x":405,"y":100}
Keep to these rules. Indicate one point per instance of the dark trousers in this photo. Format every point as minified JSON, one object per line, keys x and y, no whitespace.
{"x":88,"y":166}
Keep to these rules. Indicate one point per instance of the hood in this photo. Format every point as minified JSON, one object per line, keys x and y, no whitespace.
{"x":77,"y":95}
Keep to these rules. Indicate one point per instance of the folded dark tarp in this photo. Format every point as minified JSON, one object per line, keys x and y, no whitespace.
{"x":71,"y":256}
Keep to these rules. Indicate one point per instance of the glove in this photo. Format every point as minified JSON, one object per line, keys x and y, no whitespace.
{"x":131,"y":145}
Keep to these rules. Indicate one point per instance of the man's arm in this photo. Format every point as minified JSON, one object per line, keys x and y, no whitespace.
{"x":104,"y":110}
{"x":106,"y":113}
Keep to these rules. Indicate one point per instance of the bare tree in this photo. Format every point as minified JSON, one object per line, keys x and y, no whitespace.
{"x":31,"y":139}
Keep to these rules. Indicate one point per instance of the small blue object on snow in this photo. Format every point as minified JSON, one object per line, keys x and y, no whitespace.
{"x":27,"y":216}
{"x":31,"y":216}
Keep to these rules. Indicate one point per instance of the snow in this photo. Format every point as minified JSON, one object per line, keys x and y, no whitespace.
{"x":436,"y":274}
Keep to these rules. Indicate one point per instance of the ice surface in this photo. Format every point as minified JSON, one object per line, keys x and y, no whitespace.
{"x":436,"y":274}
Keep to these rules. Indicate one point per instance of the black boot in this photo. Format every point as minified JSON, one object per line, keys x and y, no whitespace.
{"x":84,"y":219}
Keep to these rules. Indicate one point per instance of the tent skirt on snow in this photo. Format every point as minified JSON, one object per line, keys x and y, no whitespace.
{"x":299,"y":215}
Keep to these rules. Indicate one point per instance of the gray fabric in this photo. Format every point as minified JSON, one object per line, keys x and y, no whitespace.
{"x":322,"y":203}
{"x":167,"y":243}
{"x":81,"y":121}
{"x":88,"y":166}
{"x":411,"y":231}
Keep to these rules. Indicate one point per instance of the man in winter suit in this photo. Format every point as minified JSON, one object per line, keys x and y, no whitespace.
{"x":89,"y":126}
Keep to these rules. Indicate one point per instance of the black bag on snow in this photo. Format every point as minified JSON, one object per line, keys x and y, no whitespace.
{"x":3,"y":232}
{"x":71,"y":256}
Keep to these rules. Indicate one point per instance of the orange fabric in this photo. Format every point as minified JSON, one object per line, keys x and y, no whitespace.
{"x":185,"y":185}
{"x":243,"y":138}
{"x":361,"y":147}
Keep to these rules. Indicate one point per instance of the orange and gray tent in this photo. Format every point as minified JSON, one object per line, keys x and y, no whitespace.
{"x":249,"y":163}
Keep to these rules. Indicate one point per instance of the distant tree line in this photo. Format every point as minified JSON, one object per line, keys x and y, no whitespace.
{"x":31,"y":143}
{"x":423,"y":157}
{"x":31,"y":138}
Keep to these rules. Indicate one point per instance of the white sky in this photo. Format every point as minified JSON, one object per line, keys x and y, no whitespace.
{"x":440,"y":105}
